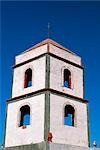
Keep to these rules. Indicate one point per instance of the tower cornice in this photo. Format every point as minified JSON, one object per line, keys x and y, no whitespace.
{"x":51,"y":54}
{"x":42,"y":91}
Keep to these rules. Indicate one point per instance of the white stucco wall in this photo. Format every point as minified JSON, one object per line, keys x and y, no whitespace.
{"x":38,"y":77}
{"x":66,"y":55}
{"x":31,"y":54}
{"x":56,"y":77}
{"x":34,"y":133}
{"x":64,"y":134}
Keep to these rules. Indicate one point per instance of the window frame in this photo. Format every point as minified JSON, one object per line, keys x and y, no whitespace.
{"x":26,"y":85}
{"x":67,"y":78}
{"x":19,"y":115}
{"x":62,"y":72}
{"x":75,"y":114}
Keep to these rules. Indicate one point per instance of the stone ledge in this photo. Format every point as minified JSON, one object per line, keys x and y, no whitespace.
{"x":54,"y":146}
{"x":49,"y":146}
{"x":38,"y":146}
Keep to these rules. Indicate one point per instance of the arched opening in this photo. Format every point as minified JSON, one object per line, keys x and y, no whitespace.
{"x":67,"y":78}
{"x":69,"y":114}
{"x":28,"y":78}
{"x":24,"y":115}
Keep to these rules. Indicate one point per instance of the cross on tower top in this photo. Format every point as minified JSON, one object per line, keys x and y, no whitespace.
{"x":49,"y":30}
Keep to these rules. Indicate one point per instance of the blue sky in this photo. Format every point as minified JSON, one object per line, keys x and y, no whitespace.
{"x":75,"y":25}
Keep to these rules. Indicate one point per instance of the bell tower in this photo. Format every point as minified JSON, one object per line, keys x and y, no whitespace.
{"x":47,"y":98}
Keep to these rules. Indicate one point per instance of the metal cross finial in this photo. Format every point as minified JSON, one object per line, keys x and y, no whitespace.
{"x":48,"y":29}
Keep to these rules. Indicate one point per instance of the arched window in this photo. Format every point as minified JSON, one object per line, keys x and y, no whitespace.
{"x":69,"y":114}
{"x":28,"y":78}
{"x":67,"y":78}
{"x":24,"y":115}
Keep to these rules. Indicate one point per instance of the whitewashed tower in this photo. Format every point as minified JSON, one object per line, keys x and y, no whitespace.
{"x":47,"y":96}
